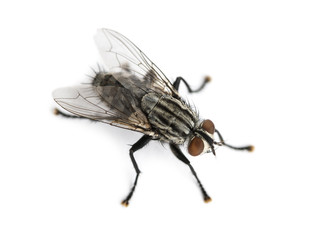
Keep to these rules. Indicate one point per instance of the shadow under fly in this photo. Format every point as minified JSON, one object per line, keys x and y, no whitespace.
{"x":131,"y":92}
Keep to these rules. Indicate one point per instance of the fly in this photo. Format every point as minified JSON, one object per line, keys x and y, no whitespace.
{"x":131,"y":92}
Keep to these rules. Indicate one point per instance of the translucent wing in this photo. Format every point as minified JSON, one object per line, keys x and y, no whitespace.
{"x":109,"y":104}
{"x":120,"y":54}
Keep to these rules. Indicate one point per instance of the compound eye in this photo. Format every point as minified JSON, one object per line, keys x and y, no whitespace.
{"x":196,"y":146}
{"x":208,"y":126}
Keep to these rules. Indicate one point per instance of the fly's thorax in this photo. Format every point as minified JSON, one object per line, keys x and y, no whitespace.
{"x":171,"y":118}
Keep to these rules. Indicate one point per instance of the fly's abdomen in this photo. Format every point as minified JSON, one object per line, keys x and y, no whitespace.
{"x":171,"y":118}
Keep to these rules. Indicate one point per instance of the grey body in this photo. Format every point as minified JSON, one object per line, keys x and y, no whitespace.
{"x":171,"y":118}
{"x":132,"y":93}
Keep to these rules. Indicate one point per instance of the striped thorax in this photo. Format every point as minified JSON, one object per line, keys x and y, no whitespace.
{"x":172,"y":119}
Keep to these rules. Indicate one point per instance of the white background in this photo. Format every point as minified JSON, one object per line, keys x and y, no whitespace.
{"x":65,"y":179}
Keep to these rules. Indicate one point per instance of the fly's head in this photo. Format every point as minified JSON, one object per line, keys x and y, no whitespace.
{"x":203,"y":139}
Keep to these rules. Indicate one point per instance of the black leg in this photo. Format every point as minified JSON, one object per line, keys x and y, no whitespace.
{"x":136,"y":146}
{"x":58,"y":112}
{"x":176,"y":84}
{"x":249,"y":148}
{"x":178,"y":153}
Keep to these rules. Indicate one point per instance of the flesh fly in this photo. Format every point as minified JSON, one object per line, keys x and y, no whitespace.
{"x":131,"y":92}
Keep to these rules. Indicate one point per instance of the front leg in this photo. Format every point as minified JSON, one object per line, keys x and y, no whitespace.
{"x":249,"y":148}
{"x":176,"y":84}
{"x":178,"y":153}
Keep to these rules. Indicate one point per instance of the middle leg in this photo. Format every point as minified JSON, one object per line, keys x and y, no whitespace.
{"x":136,"y":146}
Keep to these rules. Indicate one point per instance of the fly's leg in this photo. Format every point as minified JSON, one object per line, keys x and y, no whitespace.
{"x":58,"y":112}
{"x":176,"y":84}
{"x":249,"y":148}
{"x":136,"y":146}
{"x":178,"y":153}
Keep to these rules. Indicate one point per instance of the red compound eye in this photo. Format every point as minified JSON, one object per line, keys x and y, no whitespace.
{"x":208,"y":126}
{"x":196,"y":146}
